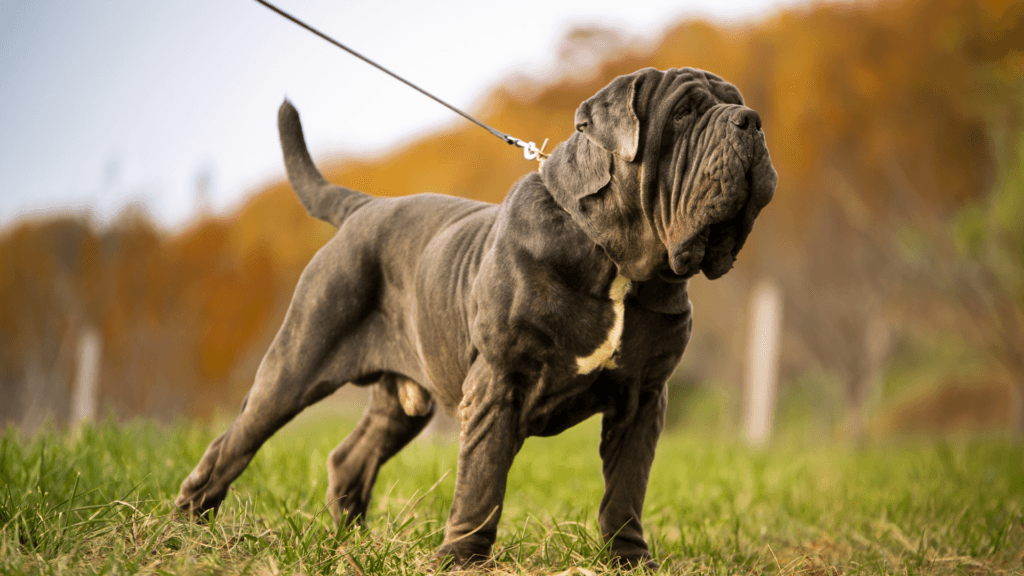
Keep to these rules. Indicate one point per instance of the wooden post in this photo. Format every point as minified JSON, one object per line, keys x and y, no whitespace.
{"x":762,"y":367}
{"x":87,"y":378}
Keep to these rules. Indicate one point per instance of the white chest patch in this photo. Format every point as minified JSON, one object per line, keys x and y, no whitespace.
{"x":603,"y":356}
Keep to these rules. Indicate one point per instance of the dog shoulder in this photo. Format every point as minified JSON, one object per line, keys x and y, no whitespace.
{"x":532,"y":221}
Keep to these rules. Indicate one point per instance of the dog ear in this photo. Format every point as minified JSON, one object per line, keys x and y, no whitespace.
{"x":609,"y":119}
{"x":575,"y":170}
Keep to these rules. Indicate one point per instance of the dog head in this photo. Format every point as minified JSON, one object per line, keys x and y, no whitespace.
{"x":666,"y":172}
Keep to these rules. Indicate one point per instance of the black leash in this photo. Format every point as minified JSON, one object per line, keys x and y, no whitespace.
{"x":530,"y":150}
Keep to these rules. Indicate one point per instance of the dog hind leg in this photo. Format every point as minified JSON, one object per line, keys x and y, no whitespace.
{"x":271,"y":403}
{"x":315,"y":352}
{"x":390,"y":422}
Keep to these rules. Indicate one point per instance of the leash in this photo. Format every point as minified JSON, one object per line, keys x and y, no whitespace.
{"x":530,"y":150}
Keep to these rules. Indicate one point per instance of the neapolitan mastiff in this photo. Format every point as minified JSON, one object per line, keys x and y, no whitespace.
{"x":566,"y":300}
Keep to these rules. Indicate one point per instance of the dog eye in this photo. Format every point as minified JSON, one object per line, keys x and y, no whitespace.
{"x":681,"y":114}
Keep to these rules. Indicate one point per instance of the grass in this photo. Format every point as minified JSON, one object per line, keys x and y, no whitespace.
{"x":99,"y":502}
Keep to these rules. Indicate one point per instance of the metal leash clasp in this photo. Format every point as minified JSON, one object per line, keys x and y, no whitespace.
{"x":530,"y":150}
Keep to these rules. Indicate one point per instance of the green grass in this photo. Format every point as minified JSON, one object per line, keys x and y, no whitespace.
{"x":99,"y":502}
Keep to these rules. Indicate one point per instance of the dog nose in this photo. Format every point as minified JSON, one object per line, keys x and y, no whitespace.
{"x":746,"y":117}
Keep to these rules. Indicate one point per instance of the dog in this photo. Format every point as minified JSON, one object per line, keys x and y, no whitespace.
{"x":567,"y":300}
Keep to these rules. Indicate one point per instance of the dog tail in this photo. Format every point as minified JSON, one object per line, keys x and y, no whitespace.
{"x":321,"y":199}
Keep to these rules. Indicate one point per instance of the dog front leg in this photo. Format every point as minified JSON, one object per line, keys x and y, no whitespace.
{"x":488,"y":441}
{"x":627,"y":452}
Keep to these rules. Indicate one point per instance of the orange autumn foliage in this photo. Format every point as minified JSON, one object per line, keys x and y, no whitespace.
{"x":871,"y":106}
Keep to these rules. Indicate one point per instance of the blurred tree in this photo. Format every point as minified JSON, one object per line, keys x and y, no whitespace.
{"x":973,"y":262}
{"x":990,"y":273}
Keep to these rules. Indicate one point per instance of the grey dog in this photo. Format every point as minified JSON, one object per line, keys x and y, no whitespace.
{"x":567,"y":300}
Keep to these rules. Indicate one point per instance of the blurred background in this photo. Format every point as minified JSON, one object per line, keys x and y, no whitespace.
{"x":149,"y":244}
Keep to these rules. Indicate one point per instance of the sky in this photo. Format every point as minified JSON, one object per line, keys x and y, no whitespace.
{"x":120,"y":102}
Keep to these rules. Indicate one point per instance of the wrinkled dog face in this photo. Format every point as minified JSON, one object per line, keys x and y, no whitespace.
{"x":714,"y":170}
{"x":670,"y":170}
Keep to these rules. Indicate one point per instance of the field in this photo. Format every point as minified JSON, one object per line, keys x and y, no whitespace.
{"x":99,"y":502}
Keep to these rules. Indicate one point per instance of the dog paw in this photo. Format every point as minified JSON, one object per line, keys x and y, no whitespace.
{"x":194,"y":508}
{"x":636,"y":564}
{"x":450,"y":558}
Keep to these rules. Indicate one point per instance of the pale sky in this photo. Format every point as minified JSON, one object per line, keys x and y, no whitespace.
{"x":118,"y":101}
